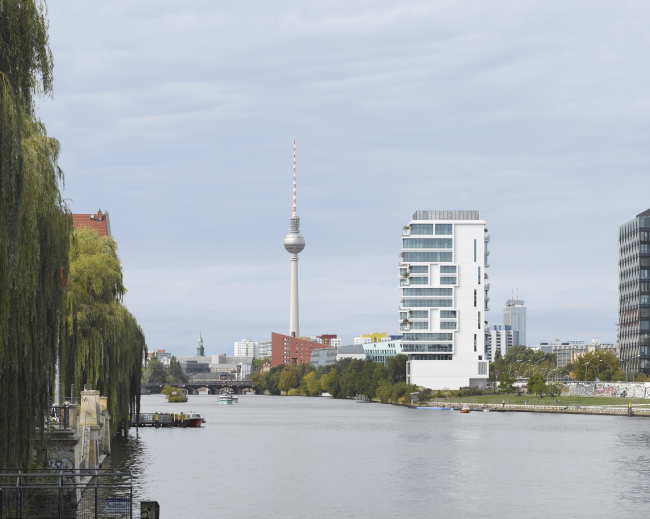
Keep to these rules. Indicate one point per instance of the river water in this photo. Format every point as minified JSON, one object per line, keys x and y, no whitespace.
{"x":298,"y":457}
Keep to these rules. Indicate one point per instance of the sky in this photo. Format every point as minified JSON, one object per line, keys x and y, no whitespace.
{"x":179,"y":119}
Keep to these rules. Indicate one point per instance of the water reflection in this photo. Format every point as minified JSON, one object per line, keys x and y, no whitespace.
{"x":297,"y":457}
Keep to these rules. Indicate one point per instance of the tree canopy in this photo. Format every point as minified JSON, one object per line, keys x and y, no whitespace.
{"x":597,"y":364}
{"x":34,"y":232}
{"x":104,"y":345}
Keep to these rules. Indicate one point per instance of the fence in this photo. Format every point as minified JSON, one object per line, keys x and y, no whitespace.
{"x":66,"y":494}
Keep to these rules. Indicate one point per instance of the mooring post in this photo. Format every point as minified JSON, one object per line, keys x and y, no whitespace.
{"x":629,"y":409}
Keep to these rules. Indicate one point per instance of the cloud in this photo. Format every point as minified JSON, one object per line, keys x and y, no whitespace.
{"x":179,"y":118}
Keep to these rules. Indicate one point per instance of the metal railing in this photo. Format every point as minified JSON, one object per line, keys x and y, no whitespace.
{"x":65,"y":494}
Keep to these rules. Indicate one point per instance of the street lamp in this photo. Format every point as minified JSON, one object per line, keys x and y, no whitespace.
{"x":586,"y":369}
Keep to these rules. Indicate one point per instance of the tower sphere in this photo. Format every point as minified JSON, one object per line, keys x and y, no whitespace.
{"x":294,"y":242}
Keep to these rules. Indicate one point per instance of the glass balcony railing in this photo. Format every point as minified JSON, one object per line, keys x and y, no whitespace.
{"x":487,"y":237}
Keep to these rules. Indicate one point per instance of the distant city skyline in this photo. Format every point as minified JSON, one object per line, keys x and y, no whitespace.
{"x":519,"y":113}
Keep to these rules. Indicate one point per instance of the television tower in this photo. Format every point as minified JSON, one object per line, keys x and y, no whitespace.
{"x":294,"y":243}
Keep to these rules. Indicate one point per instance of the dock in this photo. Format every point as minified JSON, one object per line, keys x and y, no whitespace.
{"x":159,"y":420}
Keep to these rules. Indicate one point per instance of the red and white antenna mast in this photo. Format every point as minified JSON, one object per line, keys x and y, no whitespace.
{"x":294,"y":178}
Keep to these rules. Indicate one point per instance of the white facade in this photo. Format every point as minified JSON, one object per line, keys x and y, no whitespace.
{"x":263,"y":349}
{"x":362,"y":340}
{"x":335,"y":343}
{"x":443,"y":299}
{"x":501,"y":338}
{"x":381,"y":351}
{"x":245,"y":348}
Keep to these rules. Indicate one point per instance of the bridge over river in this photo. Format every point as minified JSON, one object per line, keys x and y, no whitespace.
{"x":214,"y":387}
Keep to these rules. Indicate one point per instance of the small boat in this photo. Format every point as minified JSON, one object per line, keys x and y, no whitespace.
{"x":225,"y":399}
{"x":235,"y":398}
{"x":464,"y":409}
{"x":193,"y":420}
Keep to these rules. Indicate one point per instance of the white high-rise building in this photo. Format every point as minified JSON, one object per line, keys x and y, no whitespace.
{"x":444,"y":297}
{"x":245,"y":348}
{"x":501,"y":338}
{"x":514,"y":315}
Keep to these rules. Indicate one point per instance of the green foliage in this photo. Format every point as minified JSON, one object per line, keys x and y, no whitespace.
{"x":642,"y":377}
{"x":601,"y":364}
{"x":155,"y":373}
{"x":348,"y":378}
{"x":537,"y":384}
{"x":506,"y":384}
{"x":175,"y":372}
{"x":174,"y":394}
{"x":257,"y":363}
{"x":396,"y":367}
{"x":104,"y":346}
{"x":521,"y":361}
{"x":34,"y":233}
{"x":554,"y":389}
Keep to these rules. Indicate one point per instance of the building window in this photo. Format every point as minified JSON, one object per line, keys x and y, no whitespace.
{"x":419,"y":269}
{"x":447,"y":325}
{"x":432,"y":357}
{"x":644,"y":235}
{"x":438,"y":257}
{"x":644,"y":274}
{"x":645,"y":326}
{"x":419,"y":280}
{"x":448,"y":280}
{"x":412,"y":348}
{"x":403,"y":315}
{"x":474,"y":298}
{"x":645,"y":300}
{"x":420,"y":325}
{"x":421,"y":228}
{"x":448,"y":314}
{"x":474,"y":342}
{"x":428,"y":336}
{"x":428,"y":291}
{"x":479,"y":275}
{"x":479,"y":320}
{"x":402,"y":272}
{"x":443,"y":229}
{"x":427,"y":243}
{"x":645,"y":248}
{"x":419,"y":314}
{"x":427,"y":303}
{"x":474,"y":251}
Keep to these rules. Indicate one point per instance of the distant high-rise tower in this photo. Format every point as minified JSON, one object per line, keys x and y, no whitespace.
{"x":200,"y":352}
{"x":294,"y":243}
{"x":514,"y":315}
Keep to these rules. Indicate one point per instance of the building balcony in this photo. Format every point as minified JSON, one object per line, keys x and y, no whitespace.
{"x":406,"y":232}
{"x":487,"y":264}
{"x":405,"y":283}
{"x":486,"y":286}
{"x":487,"y":307}
{"x":487,"y":252}
{"x":487,"y":237}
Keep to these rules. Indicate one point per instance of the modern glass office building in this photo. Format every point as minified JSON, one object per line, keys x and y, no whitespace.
{"x":633,"y":333}
{"x":443,"y":299}
{"x":514,"y":315}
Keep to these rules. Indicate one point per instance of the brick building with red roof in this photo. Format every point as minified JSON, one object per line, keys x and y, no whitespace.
{"x":98,"y":222}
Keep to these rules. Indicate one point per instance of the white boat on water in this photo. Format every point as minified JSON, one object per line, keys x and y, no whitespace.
{"x":203,"y":391}
{"x":225,"y":399}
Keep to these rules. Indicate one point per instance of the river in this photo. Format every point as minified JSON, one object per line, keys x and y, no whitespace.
{"x":298,"y":457}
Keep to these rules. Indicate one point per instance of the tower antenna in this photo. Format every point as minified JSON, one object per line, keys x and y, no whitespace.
{"x":294,"y":178}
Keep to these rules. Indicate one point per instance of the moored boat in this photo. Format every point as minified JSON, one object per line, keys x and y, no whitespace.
{"x":193,"y":420}
{"x":225,"y":399}
{"x":464,"y":409}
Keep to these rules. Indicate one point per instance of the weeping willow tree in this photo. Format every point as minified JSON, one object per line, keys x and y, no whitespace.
{"x":34,"y":232}
{"x":103,"y":346}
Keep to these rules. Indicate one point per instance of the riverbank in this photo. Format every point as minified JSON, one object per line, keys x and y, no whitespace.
{"x":627,"y":409}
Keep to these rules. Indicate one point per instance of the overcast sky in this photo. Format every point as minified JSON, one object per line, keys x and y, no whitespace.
{"x":178,"y":118}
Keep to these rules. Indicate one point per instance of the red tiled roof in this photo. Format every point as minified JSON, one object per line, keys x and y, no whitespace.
{"x":98,"y":222}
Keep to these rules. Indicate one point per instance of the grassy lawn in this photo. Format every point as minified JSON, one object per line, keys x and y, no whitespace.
{"x":563,"y":400}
